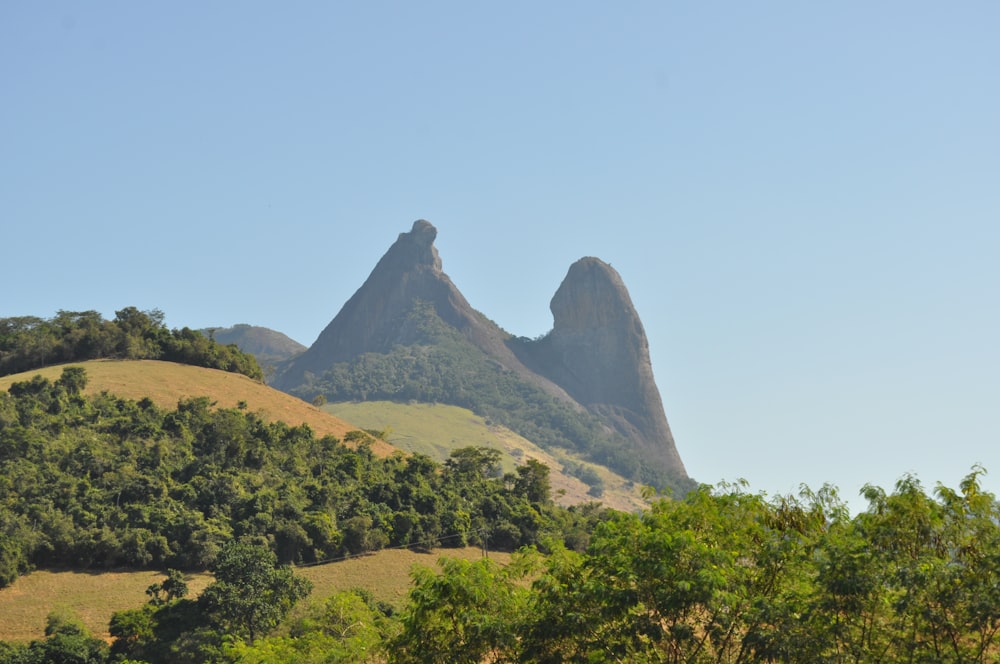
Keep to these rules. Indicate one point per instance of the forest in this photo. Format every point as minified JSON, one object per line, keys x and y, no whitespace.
{"x":99,"y":482}
{"x":719,"y":574}
{"x":29,"y":342}
{"x":723,"y":575}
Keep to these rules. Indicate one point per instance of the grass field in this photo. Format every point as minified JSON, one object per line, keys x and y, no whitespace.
{"x":95,"y":596}
{"x":167,"y":382}
{"x":436,"y":429}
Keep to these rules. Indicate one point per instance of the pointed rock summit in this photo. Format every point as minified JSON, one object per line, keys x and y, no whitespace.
{"x":376,"y":318}
{"x":594,"y":363}
{"x":598,"y":352}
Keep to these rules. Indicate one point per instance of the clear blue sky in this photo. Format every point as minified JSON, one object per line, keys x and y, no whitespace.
{"x":802,"y":198}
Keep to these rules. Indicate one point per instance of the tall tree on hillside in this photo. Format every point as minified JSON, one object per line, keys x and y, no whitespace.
{"x":251,"y":595}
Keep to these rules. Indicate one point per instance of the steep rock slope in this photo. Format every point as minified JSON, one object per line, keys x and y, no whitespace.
{"x":598,"y":352}
{"x":376,"y":318}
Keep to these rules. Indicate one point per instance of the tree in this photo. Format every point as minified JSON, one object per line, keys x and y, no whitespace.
{"x":74,"y":379}
{"x":173,"y":587}
{"x":469,"y":612}
{"x":533,"y":482}
{"x":251,"y":595}
{"x":67,"y":641}
{"x":349,"y":627}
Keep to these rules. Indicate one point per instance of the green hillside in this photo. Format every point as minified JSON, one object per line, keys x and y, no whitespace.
{"x":166,"y":383}
{"x":437,"y":429}
{"x":435,"y":363}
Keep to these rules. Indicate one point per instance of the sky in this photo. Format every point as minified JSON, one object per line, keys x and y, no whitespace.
{"x":803,"y":199}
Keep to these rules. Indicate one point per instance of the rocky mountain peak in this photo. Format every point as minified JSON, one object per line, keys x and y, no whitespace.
{"x":598,"y":352}
{"x":416,"y":248}
{"x":374,"y":320}
{"x":592,"y":295}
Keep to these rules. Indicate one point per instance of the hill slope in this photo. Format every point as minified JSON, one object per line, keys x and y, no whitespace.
{"x":167,"y":382}
{"x":94,"y":597}
{"x":436,"y":429}
{"x":269,"y":346}
{"x":429,"y":429}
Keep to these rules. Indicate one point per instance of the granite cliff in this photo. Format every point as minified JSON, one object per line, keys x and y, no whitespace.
{"x":409,"y":334}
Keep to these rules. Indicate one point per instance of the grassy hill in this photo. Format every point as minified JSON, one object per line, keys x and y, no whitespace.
{"x":436,"y":429}
{"x":94,"y":597}
{"x":431,"y":429}
{"x":167,"y":382}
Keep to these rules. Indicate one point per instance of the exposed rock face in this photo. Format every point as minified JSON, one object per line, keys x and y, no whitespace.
{"x":596,"y":358}
{"x":598,"y":352}
{"x":373,"y":320}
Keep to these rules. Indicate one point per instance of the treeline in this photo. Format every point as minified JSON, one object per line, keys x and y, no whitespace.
{"x":28,"y":342}
{"x":99,"y":481}
{"x":442,"y":366}
{"x":727,"y":576}
{"x":723,"y":576}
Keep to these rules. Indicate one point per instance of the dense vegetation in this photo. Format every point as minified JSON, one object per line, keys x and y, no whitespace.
{"x":28,"y":342}
{"x":722,"y":576}
{"x":104,"y":482}
{"x":441,"y":366}
{"x":727,"y":576}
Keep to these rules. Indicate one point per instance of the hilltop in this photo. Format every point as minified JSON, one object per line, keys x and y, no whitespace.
{"x":166,"y":383}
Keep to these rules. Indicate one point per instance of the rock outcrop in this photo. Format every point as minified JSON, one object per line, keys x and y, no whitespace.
{"x":374,"y":319}
{"x":595,"y":359}
{"x":598,"y":352}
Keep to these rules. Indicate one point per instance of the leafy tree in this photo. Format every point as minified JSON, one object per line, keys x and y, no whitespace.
{"x":469,"y":612}
{"x":73,"y":336}
{"x":173,"y":587}
{"x":347,"y":628}
{"x":66,"y":641}
{"x":251,"y":595}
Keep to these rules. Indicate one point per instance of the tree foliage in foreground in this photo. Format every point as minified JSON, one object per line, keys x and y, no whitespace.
{"x":250,"y":596}
{"x":728,"y":576}
{"x":28,"y":342}
{"x":723,"y":576}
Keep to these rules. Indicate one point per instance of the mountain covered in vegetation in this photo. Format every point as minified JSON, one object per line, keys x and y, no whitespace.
{"x":408,"y":334}
{"x":270,"y":347}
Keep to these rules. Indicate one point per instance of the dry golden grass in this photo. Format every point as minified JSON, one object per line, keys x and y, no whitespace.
{"x":95,"y":596}
{"x":167,"y":382}
{"x":91,"y":596}
{"x":385,"y":574}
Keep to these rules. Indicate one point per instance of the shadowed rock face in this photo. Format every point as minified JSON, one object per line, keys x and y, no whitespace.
{"x":598,"y":352}
{"x":595,"y":358}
